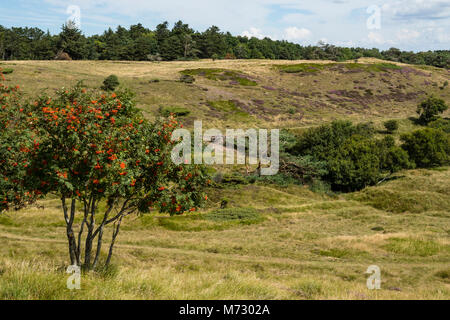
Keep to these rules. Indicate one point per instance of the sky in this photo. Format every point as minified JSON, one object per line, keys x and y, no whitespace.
{"x":416,"y":25}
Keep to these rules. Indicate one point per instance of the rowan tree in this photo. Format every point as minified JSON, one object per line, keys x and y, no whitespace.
{"x":15,"y":150}
{"x":105,"y":162}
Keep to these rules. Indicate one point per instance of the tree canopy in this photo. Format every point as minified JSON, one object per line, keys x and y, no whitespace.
{"x":97,"y":152}
{"x":138,"y":43}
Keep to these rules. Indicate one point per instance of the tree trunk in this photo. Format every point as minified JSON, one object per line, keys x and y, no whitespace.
{"x":114,"y":236}
{"x":89,"y":238}
{"x":99,"y":248}
{"x":69,"y":218}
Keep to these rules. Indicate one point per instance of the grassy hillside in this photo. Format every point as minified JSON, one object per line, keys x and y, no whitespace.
{"x":249,"y":93}
{"x":273,"y":242}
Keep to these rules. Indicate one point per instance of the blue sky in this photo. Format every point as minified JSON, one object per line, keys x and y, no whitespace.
{"x":407,"y":24}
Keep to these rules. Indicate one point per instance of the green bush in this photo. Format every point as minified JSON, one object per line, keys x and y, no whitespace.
{"x":321,"y":141}
{"x":429,"y":109}
{"x":346,"y":156}
{"x":177,"y":111}
{"x":391,"y":125}
{"x":110,"y":83}
{"x":233,"y":179}
{"x":392,"y":157}
{"x":355,"y":165}
{"x":6,"y":71}
{"x":427,"y":147}
{"x":442,"y":124}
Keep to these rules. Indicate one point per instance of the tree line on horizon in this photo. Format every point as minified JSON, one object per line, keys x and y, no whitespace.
{"x":183,"y":43}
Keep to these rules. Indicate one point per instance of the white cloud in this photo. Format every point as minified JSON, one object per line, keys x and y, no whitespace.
{"x":442,"y":35}
{"x":294,"y":33}
{"x":376,"y":38}
{"x":254,"y":32}
{"x":418,"y":9}
{"x":293,"y":18}
{"x":407,"y":35}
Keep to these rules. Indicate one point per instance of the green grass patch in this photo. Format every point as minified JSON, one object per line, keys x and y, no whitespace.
{"x":7,"y":221}
{"x":402,"y":201}
{"x":317,"y":67}
{"x":303,"y":67}
{"x":230,"y":108}
{"x":309,"y":289}
{"x":243,"y":215}
{"x":375,"y":67}
{"x":222,"y":75}
{"x":414,"y":247}
{"x":215,"y":220}
{"x":339,"y":253}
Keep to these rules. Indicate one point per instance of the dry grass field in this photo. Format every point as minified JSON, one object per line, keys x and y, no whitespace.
{"x":295,"y":244}
{"x":302,"y":246}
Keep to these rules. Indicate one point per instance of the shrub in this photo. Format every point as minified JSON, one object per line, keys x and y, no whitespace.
{"x":16,"y":147}
{"x":224,"y":203}
{"x":6,"y":71}
{"x":345,"y":155}
{"x":442,"y":124}
{"x":355,"y":165}
{"x":304,"y":169}
{"x":320,"y":142}
{"x":187,"y":78}
{"x":233,"y":179}
{"x":427,"y":147}
{"x":101,"y":157}
{"x":391,"y":125}
{"x":110,"y":83}
{"x":176,"y":111}
{"x":429,"y":109}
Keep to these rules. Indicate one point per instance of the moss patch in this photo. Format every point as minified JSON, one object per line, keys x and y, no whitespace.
{"x":317,"y":67}
{"x":235,"y":77}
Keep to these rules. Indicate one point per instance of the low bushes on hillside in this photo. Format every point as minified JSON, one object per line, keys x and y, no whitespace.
{"x":348,"y":156}
{"x":110,"y":83}
{"x":391,"y":126}
{"x":176,"y":111}
{"x":6,"y":70}
{"x":235,"y":77}
{"x":441,"y":124}
{"x":427,"y":147}
{"x":430,"y":109}
{"x":308,"y":68}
